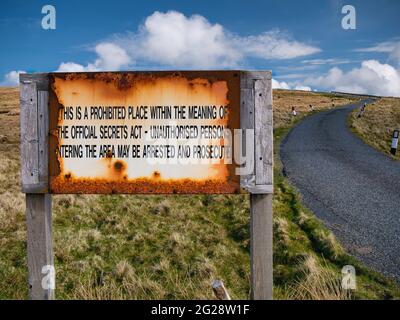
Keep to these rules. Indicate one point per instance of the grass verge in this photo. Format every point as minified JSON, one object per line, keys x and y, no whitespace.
{"x":377,"y":124}
{"x":307,"y":257}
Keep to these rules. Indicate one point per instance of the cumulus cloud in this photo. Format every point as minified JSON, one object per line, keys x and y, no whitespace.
{"x":109,"y":57}
{"x":279,"y":85}
{"x":372,"y":77}
{"x":11,"y":78}
{"x":284,"y":85}
{"x":71,"y":67}
{"x":172,"y":39}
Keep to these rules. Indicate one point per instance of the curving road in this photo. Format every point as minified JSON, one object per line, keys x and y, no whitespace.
{"x":351,"y":187}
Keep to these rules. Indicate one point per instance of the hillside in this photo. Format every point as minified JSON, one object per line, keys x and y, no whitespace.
{"x":377,"y":124}
{"x":156,"y":247}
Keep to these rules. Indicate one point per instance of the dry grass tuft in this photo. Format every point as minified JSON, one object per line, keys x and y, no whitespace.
{"x":124,"y":271}
{"x":377,"y":124}
{"x":281,"y":227}
{"x":318,"y":283}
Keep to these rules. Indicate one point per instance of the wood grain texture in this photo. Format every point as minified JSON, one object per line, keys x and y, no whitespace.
{"x":34,"y":133}
{"x":40,"y":79}
{"x":39,"y":240}
{"x":29,"y":135}
{"x":260,"y":189}
{"x":256,"y":114}
{"x":43,"y":133}
{"x":263,"y":132}
{"x":247,"y":123}
{"x":261,"y":246}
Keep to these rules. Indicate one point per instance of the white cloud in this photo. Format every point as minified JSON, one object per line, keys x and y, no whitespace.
{"x":172,"y":39}
{"x":288,"y":86}
{"x":110,"y":57}
{"x":385,"y":47}
{"x":331,"y":61}
{"x":274,"y":45}
{"x":303,"y":88}
{"x":279,"y":85}
{"x":11,"y":78}
{"x":390,"y":47}
{"x":70,"y":67}
{"x":372,"y":77}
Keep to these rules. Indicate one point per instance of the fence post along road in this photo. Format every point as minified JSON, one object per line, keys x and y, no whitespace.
{"x":395,"y":142}
{"x":161,"y":132}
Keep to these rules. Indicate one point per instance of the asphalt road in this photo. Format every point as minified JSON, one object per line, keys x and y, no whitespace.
{"x":351,"y":187}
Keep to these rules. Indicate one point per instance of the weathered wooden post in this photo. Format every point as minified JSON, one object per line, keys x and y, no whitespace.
{"x":220,"y":291}
{"x":34,"y":176}
{"x":256,"y":96}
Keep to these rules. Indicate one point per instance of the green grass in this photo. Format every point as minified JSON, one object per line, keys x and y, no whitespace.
{"x":173,"y":247}
{"x":150,"y":246}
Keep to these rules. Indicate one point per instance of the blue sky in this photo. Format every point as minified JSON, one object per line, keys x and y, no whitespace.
{"x":302,"y":42}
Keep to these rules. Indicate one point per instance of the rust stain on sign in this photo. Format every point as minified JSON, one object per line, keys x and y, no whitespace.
{"x":119,"y":109}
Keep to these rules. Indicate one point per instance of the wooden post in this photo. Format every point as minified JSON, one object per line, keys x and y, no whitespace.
{"x":40,"y":249}
{"x":261,"y":246}
{"x":220,"y":291}
{"x":395,"y":142}
{"x":34,"y":182}
{"x":256,"y":114}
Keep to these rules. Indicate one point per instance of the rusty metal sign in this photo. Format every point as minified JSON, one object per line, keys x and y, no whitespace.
{"x":143,"y":132}
{"x":149,"y":133}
